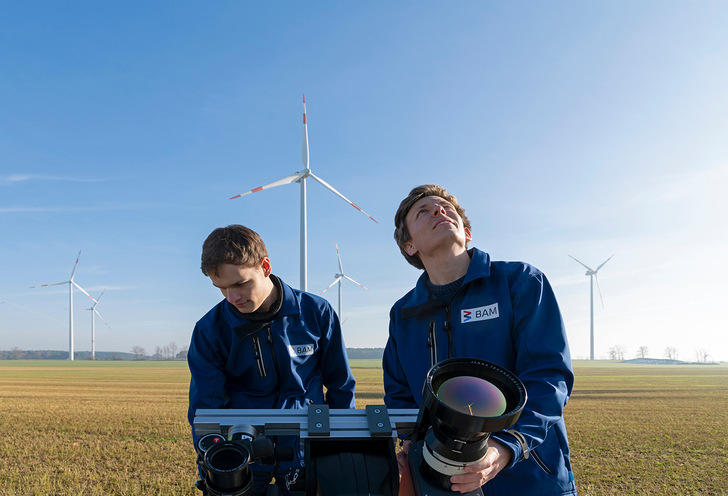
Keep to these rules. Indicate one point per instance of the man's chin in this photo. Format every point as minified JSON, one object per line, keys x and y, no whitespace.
{"x":245,"y":308}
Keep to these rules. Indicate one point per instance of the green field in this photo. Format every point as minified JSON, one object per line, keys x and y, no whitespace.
{"x":119,"y":428}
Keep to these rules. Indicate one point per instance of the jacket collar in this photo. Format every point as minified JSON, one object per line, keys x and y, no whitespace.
{"x":422,"y":303}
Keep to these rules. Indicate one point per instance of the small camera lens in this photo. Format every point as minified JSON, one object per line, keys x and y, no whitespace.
{"x":227,"y":469}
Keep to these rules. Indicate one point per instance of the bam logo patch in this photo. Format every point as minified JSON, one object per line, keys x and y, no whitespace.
{"x":481,"y":313}
{"x":298,"y":350}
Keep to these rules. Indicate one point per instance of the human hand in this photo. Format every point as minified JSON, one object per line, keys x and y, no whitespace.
{"x":402,"y":455}
{"x":496,"y":458}
{"x":405,"y":483}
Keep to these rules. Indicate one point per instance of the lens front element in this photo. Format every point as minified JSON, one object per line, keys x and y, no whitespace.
{"x":472,"y":396}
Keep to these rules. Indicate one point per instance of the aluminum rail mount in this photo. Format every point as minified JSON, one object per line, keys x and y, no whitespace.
{"x":315,"y":422}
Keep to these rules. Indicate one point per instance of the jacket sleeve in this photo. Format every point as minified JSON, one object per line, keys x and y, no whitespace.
{"x":397,"y":393}
{"x":337,"y":376}
{"x":207,"y":383}
{"x":543,"y":361}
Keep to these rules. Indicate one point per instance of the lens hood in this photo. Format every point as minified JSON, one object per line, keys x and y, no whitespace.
{"x":464,"y":425}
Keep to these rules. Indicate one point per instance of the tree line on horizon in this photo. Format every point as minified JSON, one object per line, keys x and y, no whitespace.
{"x":138,"y":353}
{"x":173,"y":352}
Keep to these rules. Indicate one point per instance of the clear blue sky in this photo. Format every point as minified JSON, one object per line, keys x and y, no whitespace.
{"x":582,"y":128}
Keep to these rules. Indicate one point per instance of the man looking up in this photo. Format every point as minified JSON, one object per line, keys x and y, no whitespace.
{"x":518,"y":327}
{"x":266,"y":345}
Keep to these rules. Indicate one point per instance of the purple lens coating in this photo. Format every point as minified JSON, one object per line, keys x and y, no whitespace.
{"x":472,"y":396}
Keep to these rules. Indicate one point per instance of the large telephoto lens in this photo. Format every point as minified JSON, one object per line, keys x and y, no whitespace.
{"x":466,"y":399}
{"x":226,"y":465}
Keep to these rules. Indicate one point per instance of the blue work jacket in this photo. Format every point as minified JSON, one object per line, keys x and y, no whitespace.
{"x":505,"y":313}
{"x":284,"y":363}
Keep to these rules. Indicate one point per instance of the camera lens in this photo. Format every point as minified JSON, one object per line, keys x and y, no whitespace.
{"x":227,"y":469}
{"x":466,"y":399}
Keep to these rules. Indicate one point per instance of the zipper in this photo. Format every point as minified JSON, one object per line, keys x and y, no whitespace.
{"x":432,"y":343}
{"x":269,"y":335}
{"x":258,"y":353}
{"x":446,"y":327}
{"x":540,"y":462}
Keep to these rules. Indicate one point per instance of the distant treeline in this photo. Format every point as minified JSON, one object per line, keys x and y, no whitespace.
{"x":359,"y":353}
{"x":17,"y":354}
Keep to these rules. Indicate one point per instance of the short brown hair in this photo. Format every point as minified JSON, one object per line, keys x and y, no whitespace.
{"x":234,"y":244}
{"x":401,"y":233}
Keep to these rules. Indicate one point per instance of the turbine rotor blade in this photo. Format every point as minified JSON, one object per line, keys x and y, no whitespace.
{"x":341,"y":269}
{"x":84,"y":291}
{"x":54,"y":284}
{"x":102,"y":319}
{"x":603,"y":263}
{"x":75,"y":265}
{"x":280,"y":182}
{"x":304,"y":144}
{"x":330,"y":285}
{"x":584,"y":265}
{"x":333,"y":190}
{"x":596,"y":278}
{"x":360,"y":284}
{"x":99,"y":298}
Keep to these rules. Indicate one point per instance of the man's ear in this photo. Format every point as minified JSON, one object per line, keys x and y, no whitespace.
{"x":265,"y":264}
{"x":410,"y":249}
{"x":468,"y":235}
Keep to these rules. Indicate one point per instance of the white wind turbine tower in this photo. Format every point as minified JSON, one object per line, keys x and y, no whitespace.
{"x":338,"y":280}
{"x":71,"y":283}
{"x":592,"y":273}
{"x":93,"y":324}
{"x":301,"y":177}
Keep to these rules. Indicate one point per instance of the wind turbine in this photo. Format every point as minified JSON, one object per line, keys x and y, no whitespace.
{"x":71,"y":283}
{"x":301,"y":177}
{"x":93,"y":327}
{"x":338,"y":279}
{"x":592,"y":273}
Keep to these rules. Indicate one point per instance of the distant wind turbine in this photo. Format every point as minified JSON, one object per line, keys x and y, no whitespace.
{"x":338,"y":279}
{"x":592,"y":273}
{"x":93,"y":326}
{"x":71,"y":283}
{"x":300,"y":177}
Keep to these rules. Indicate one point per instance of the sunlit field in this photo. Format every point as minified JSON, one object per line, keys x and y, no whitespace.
{"x":120,"y":428}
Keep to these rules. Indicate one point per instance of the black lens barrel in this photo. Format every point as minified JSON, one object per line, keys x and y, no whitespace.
{"x":226,"y":465}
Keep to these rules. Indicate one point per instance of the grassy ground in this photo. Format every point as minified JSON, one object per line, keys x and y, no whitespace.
{"x":119,"y":428}
{"x":637,"y":429}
